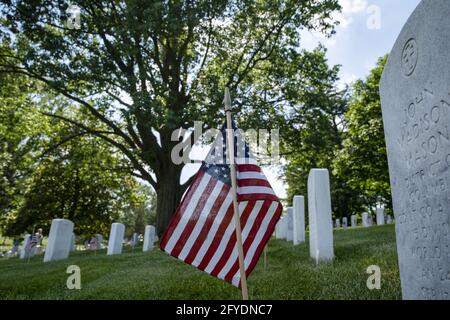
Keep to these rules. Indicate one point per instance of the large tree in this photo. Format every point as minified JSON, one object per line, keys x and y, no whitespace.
{"x":145,"y":68}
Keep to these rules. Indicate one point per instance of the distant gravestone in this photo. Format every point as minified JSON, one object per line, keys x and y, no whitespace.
{"x":299,"y":219}
{"x":27,"y":250}
{"x":344,"y":223}
{"x":134,"y":240}
{"x":149,"y":238}
{"x":320,"y":220}
{"x":73,"y":246}
{"x":116,"y":238}
{"x":365,"y":220}
{"x":338,"y":223}
{"x":284,"y":227}
{"x":354,"y":221}
{"x":380,"y":216}
{"x":290,"y":225}
{"x":389,"y":219}
{"x":415,"y":101}
{"x":279,"y":229}
{"x":99,"y":240}
{"x":59,"y":240}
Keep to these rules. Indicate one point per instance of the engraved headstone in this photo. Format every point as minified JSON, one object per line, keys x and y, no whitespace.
{"x":59,"y":240}
{"x":354,"y":221}
{"x":290,"y":225}
{"x":116,"y":238}
{"x":338,"y":223}
{"x":380,"y":216}
{"x":149,"y":238}
{"x":320,"y":220}
{"x":344,"y":223}
{"x":415,"y":98}
{"x":299,"y":219}
{"x":365,"y":220}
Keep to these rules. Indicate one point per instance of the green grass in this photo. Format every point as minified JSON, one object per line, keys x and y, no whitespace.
{"x":290,"y":273}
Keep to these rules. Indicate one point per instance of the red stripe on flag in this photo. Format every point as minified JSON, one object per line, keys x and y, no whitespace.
{"x":253,"y":183}
{"x":248,"y":167}
{"x":207,"y":225}
{"x":181,"y":208}
{"x":184,"y":236}
{"x":257,"y":196}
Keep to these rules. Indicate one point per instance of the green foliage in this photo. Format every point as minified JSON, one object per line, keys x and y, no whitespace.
{"x":313,"y":131}
{"x":165,"y":64}
{"x":49,"y":169}
{"x":138,"y":215}
{"x":290,"y":274}
{"x":362,"y":161}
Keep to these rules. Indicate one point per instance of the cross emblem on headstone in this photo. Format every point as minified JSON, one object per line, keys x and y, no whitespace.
{"x":409,"y":57}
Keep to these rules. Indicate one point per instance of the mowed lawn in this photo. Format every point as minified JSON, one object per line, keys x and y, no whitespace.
{"x":290,"y":273}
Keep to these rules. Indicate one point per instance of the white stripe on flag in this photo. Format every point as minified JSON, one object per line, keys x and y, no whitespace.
{"x":225,"y":239}
{"x":246,"y":161}
{"x":251,"y":175}
{"x":250,"y":190}
{"x":186,"y":215}
{"x":213,"y":230}
{"x":256,"y":241}
{"x":245,"y":232}
{"x":201,"y":220}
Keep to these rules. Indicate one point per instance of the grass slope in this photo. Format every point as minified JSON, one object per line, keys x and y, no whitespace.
{"x":290,"y":273}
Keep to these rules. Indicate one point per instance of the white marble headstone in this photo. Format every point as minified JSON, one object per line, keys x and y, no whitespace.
{"x":338,"y":223}
{"x":149,"y":238}
{"x":354,"y":221}
{"x":299,"y":219}
{"x":290,"y":225}
{"x":415,"y":102}
{"x":320,"y":220}
{"x":59,"y":240}
{"x":116,"y":238}
{"x":26,"y":251}
{"x":365,"y":220}
{"x":380,"y":216}
{"x":344,"y":223}
{"x":73,"y":246}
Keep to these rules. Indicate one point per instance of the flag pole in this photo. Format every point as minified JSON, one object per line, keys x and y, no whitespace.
{"x":230,"y":139}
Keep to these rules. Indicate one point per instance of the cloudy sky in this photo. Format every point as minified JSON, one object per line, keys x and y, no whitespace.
{"x":367,"y":31}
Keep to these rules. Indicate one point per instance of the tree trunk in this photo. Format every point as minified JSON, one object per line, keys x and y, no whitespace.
{"x":168,"y":195}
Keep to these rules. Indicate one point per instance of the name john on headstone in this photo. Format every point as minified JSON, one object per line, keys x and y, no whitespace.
{"x":415,"y":98}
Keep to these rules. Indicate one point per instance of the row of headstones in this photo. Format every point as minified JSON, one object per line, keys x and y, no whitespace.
{"x":292,"y":226}
{"x":61,"y":240}
{"x":366,"y":220}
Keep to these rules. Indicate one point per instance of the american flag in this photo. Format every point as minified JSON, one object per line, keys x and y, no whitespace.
{"x":202,"y":230}
{"x":32,"y":243}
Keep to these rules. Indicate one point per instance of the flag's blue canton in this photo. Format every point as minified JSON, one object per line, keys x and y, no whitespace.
{"x":217,"y":164}
{"x":219,"y":171}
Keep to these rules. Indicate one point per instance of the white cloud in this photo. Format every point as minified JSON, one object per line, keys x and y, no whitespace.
{"x":349,"y":9}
